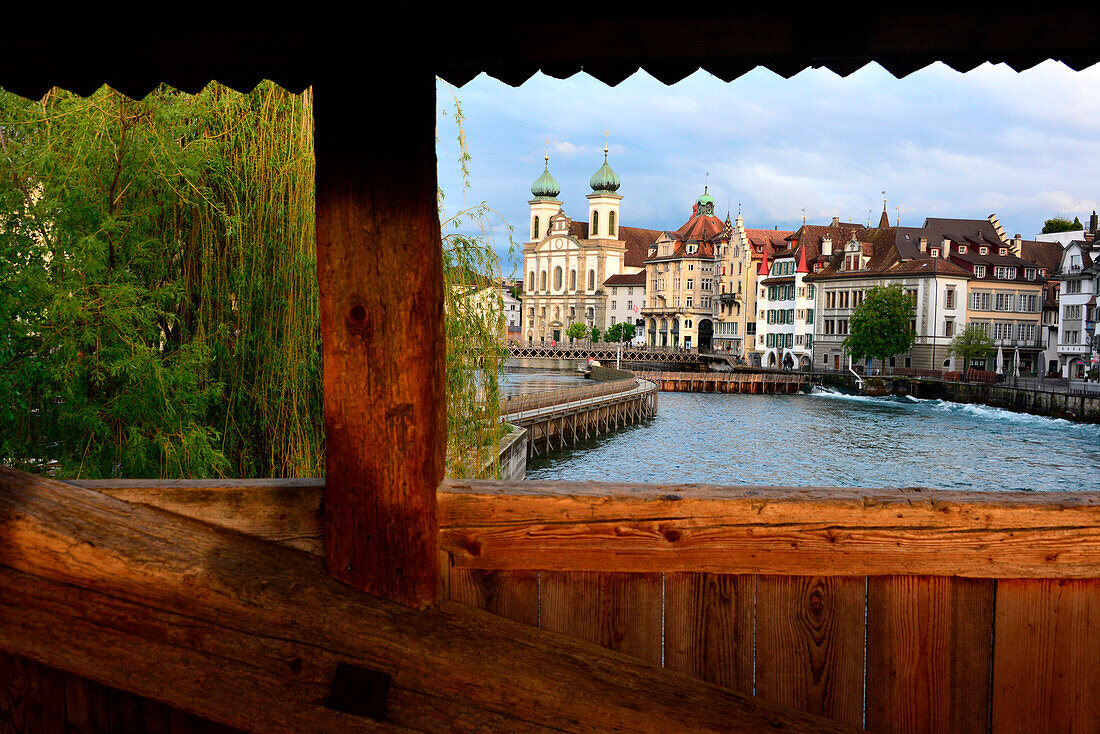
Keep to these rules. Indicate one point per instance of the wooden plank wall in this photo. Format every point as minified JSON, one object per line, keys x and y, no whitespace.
{"x":37,"y":699}
{"x":888,"y":653}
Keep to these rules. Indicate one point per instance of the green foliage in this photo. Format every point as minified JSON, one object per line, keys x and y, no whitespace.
{"x":595,"y":334}
{"x":880,"y":325}
{"x":971,"y":343}
{"x":476,"y":331}
{"x":576,"y":331}
{"x":158,"y":292}
{"x":1061,"y":224}
{"x":163,"y":254}
{"x":620,"y":332}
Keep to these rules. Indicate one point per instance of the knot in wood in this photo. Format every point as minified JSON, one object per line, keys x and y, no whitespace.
{"x":671,"y":534}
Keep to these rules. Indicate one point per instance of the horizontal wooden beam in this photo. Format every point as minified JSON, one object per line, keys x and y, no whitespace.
{"x":286,"y":511}
{"x":573,"y":526}
{"x":771,"y":530}
{"x":251,"y":633}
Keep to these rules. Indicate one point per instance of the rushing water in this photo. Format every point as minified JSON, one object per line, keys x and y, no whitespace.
{"x":829,"y":438}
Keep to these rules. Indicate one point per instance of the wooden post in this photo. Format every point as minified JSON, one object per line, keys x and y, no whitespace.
{"x":380,"y":271}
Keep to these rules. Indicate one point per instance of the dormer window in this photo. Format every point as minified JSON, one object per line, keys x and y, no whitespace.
{"x":983,"y":251}
{"x":962,"y":249}
{"x":691,"y":249}
{"x":979,"y":271}
{"x":935,"y":252}
{"x":1043,"y":272}
{"x":1029,"y":273}
{"x":1004,"y":251}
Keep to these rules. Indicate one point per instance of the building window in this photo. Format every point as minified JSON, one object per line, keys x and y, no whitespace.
{"x":535,"y":229}
{"x":949,"y":328}
{"x":611,"y":224}
{"x":557,"y":278}
{"x":595,"y":223}
{"x":949,"y":301}
{"x":979,"y":271}
{"x":531,"y":282}
{"x":591,"y":280}
{"x":542,"y":280}
{"x":1029,"y":273}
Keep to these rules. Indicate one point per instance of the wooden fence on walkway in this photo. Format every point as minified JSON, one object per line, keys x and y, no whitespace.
{"x":555,"y":419}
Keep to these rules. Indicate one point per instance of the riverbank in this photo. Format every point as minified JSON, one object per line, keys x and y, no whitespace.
{"x":1078,"y":408}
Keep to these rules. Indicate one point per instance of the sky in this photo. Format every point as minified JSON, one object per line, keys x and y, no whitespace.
{"x":1023,"y":145}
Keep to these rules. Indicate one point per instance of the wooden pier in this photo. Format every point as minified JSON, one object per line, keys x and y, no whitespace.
{"x":555,"y":419}
{"x":730,"y":382}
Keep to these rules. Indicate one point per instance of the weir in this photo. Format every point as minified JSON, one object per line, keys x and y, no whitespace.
{"x":730,"y":382}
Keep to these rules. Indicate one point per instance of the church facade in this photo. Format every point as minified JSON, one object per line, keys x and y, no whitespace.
{"x":566,"y":263}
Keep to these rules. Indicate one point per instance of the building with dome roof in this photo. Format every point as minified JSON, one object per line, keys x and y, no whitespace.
{"x":567,"y":264}
{"x":681,"y":292}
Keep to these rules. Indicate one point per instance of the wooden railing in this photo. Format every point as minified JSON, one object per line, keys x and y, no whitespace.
{"x":560,"y":396}
{"x":897,"y":610}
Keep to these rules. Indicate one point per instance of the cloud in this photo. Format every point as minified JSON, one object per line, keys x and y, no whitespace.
{"x":939,"y":142}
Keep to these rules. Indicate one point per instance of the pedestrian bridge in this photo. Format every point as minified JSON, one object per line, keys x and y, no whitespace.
{"x":608,"y":353}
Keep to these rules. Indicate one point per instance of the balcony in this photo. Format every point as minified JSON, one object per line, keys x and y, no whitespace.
{"x":729,"y":297}
{"x":1036,"y":343}
{"x":1073,"y":349}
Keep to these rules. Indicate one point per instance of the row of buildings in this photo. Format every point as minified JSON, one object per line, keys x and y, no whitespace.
{"x":785,"y":298}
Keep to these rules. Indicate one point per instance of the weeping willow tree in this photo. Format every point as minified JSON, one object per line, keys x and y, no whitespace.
{"x":158,"y":292}
{"x":476,"y":330}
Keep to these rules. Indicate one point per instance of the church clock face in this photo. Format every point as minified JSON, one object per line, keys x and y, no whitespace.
{"x":559,"y":243}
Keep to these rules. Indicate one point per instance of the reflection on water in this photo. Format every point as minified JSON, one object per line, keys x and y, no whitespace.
{"x":833,"y":439}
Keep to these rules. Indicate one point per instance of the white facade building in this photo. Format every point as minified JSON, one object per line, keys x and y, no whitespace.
{"x":1079,"y":282}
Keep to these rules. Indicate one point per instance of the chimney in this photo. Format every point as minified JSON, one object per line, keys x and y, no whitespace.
{"x":945,"y":248}
{"x":1017,"y":245}
{"x":1094,"y":224}
{"x":826,"y":246}
{"x":835,"y":222}
{"x":923,"y":241}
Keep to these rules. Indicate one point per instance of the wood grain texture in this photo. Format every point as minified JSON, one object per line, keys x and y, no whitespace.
{"x":929,"y":654}
{"x":618,"y":611}
{"x":810,"y":644}
{"x":1046,"y":656}
{"x":709,"y":627}
{"x":248,"y":632}
{"x":285,"y":511}
{"x":844,"y":532}
{"x":510,"y":594}
{"x":568,"y":526}
{"x":380,"y":272}
{"x":32,"y":697}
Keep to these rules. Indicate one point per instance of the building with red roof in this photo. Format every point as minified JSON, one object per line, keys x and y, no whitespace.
{"x":680,"y":270}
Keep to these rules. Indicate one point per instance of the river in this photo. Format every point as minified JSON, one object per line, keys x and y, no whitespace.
{"x":828,"y":438}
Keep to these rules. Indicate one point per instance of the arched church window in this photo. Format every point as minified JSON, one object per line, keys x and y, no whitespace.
{"x":531,"y":282}
{"x":595,"y":223}
{"x":542,"y":281}
{"x":591,"y":280}
{"x":535,"y":229}
{"x":572,"y":280}
{"x":557,"y":278}
{"x":611,"y":224}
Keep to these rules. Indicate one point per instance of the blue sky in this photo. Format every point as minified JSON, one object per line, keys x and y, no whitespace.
{"x":1023,"y":145}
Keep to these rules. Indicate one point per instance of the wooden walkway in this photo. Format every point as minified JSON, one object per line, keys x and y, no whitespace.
{"x":558,"y":418}
{"x":729,"y":382}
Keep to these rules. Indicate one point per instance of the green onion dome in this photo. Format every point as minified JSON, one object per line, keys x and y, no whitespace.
{"x":605,"y":181}
{"x":705,"y":203}
{"x":545,"y":187}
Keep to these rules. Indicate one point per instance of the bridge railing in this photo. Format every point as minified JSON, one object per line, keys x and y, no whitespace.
{"x":536,"y":401}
